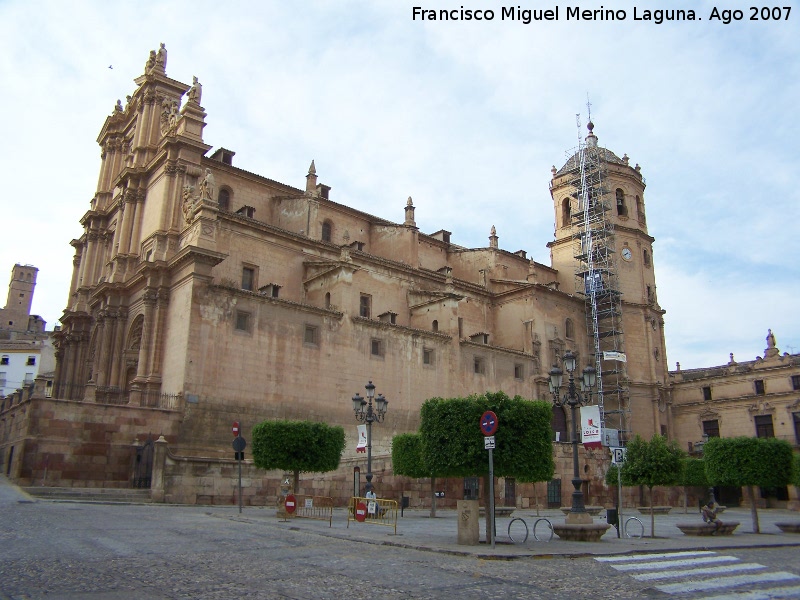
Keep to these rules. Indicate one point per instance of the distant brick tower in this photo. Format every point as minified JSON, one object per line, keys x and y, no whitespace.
{"x":16,"y":314}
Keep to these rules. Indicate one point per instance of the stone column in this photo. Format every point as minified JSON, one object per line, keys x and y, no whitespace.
{"x":119,"y":346}
{"x":158,"y":342}
{"x":157,"y":492}
{"x":104,"y":351}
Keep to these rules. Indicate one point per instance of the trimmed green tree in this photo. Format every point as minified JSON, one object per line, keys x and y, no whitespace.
{"x":652,"y":463}
{"x":297,"y":446}
{"x":407,"y":461}
{"x":692,"y":474}
{"x":747,"y":462}
{"x":452,"y":441}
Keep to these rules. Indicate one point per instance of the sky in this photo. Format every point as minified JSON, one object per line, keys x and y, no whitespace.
{"x":465,"y":116}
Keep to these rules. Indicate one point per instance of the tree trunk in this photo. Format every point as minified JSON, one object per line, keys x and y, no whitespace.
{"x":685,"y":499}
{"x":296,"y":484}
{"x":652,"y":516}
{"x":433,"y":497}
{"x":751,"y":496}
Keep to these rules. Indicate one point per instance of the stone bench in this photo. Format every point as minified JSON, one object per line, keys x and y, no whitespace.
{"x":499,"y":511}
{"x":592,"y":510}
{"x":657,"y":510}
{"x":708,"y":528}
{"x":788,"y":527}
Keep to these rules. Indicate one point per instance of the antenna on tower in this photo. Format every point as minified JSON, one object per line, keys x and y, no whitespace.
{"x":578,"y":124}
{"x":588,"y":106}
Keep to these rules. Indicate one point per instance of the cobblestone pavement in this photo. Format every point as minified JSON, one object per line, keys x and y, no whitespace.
{"x":153,"y":552}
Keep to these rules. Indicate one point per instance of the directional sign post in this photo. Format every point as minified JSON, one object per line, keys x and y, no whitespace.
{"x":617,"y":458}
{"x":488,"y":428}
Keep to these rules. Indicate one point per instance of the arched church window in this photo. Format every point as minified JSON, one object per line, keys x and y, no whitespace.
{"x":639,"y":210}
{"x":569,"y":329}
{"x":327,"y":299}
{"x":435,"y":325}
{"x":646,"y":257}
{"x":224,"y":199}
{"x":565,"y":212}
{"x":622,"y":210}
{"x":327,"y":231}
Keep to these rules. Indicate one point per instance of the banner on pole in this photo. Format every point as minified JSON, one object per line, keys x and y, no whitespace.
{"x":590,"y":426}
{"x":613,"y":355}
{"x":362,"y":438}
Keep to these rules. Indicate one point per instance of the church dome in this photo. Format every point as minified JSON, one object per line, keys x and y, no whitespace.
{"x":591,"y":142}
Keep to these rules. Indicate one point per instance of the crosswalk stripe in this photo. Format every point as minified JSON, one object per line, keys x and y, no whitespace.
{"x":642,"y":557}
{"x":701,"y":571}
{"x":723,"y":582}
{"x":661,"y":564}
{"x":768,"y":594}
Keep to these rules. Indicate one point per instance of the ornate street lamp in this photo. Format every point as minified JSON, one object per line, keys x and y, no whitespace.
{"x":573,"y":398}
{"x":364,"y":412}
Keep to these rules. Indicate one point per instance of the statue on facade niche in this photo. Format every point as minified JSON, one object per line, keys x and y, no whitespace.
{"x":169,"y":115}
{"x":208,"y":186}
{"x":118,"y":107}
{"x":188,"y":202}
{"x":770,"y":339}
{"x":161,"y":57}
{"x":151,"y":62}
{"x":196,"y":91}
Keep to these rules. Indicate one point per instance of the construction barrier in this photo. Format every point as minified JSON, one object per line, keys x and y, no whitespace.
{"x":373,"y":511}
{"x":310,"y":507}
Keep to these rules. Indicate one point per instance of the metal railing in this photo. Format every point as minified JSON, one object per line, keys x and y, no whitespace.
{"x":373,"y":511}
{"x":319,"y":508}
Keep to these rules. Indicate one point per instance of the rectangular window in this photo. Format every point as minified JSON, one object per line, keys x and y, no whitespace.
{"x":4,"y":359}
{"x":764,"y":427}
{"x":31,"y":361}
{"x":796,"y":382}
{"x":310,"y":335}
{"x":248,"y":278}
{"x":376,"y":347}
{"x":518,"y":372}
{"x":707,"y":393}
{"x":760,"y":389}
{"x":2,"y":379}
{"x":427,"y":356}
{"x":711,"y":428}
{"x":479,"y":366}
{"x":365,"y":306}
{"x":28,"y":378}
{"x":242,"y":321}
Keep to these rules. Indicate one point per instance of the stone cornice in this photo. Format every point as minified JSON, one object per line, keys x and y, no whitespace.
{"x":276,"y":301}
{"x":402,"y":328}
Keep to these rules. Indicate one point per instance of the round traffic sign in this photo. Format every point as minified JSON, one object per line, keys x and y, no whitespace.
{"x":361,"y":512}
{"x":488,"y":423}
{"x":235,"y":429}
{"x":239,"y":444}
{"x":290,"y":504}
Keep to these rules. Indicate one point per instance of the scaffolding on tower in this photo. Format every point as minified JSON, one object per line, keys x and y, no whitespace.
{"x":597,"y":281}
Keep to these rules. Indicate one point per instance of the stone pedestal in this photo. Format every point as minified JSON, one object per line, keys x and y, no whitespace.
{"x":468,"y":527}
{"x":581,"y":533}
{"x":582,"y":518}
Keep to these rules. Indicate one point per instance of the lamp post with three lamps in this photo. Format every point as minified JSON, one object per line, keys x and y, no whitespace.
{"x":573,"y":398}
{"x":365,"y":413}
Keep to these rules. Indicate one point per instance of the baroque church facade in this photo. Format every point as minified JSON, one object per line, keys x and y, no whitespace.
{"x":204,"y":294}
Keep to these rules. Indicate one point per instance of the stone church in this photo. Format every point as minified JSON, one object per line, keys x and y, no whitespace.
{"x":204,"y":294}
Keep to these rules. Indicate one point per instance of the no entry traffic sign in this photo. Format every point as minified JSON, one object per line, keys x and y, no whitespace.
{"x":488,"y":423}
{"x":235,"y":429}
{"x":361,"y":512}
{"x":290,"y":504}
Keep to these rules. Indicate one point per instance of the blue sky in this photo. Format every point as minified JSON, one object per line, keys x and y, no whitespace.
{"x":465,"y":117}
